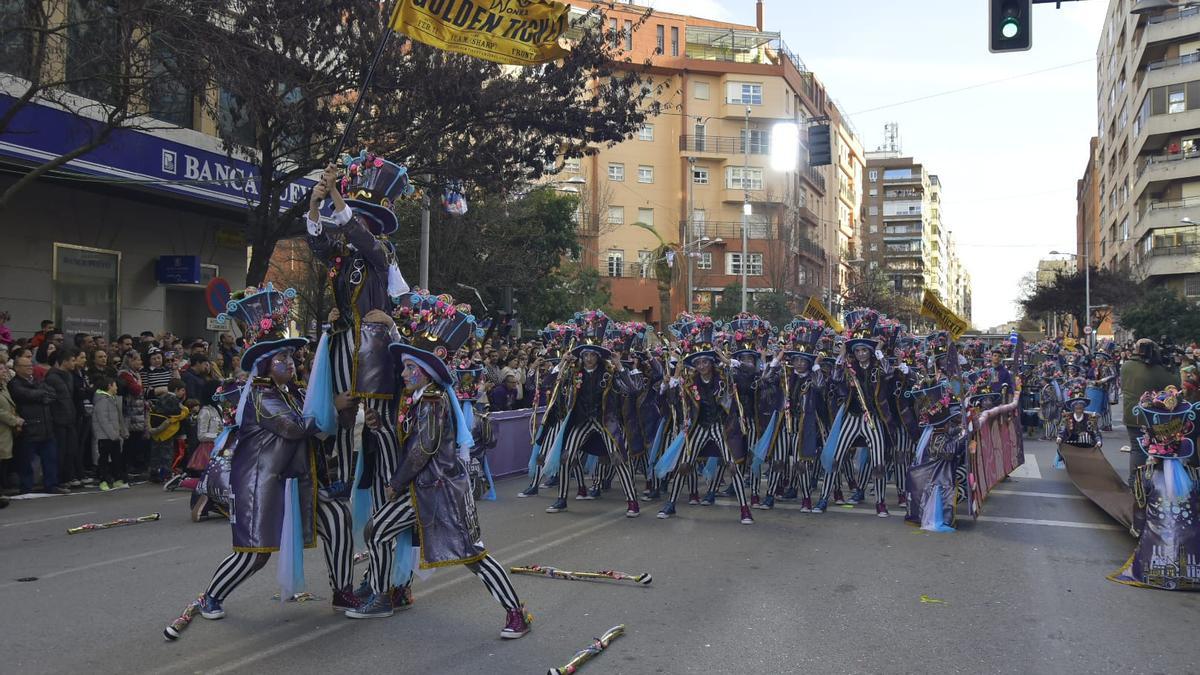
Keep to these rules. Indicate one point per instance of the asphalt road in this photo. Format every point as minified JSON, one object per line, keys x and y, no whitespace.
{"x":1022,"y":590}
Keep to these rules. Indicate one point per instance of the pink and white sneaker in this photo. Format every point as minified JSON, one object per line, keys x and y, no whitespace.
{"x":519,"y":624}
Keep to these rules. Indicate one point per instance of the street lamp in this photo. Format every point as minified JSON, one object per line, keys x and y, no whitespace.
{"x":1087,"y":291}
{"x":745,"y":208}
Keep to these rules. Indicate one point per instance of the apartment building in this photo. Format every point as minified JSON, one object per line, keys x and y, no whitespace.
{"x":1148,"y":154}
{"x":905,"y":235}
{"x":1088,"y":235}
{"x":690,"y":171}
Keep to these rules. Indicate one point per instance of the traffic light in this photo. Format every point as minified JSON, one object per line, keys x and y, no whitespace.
{"x":820,"y":153}
{"x":1010,"y":23}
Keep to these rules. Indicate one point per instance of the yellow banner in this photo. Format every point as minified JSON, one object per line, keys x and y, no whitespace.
{"x":932,"y":307}
{"x":816,"y":311}
{"x":517,"y":32}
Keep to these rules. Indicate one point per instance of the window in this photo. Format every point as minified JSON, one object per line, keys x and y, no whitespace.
{"x":571,"y":165}
{"x":646,"y":216}
{"x":93,"y":43}
{"x":734,"y":178}
{"x":675,"y":44}
{"x":613,"y":34}
{"x":616,"y":172}
{"x":627,"y":33}
{"x":616,"y":215}
{"x":897,"y":174}
{"x":874,"y":246}
{"x":746,"y":93}
{"x":733,"y":264}
{"x":1176,"y":100}
{"x":700,"y":90}
{"x":645,"y":174}
{"x":659,"y":38}
{"x":646,"y":133}
{"x":760,"y":142}
{"x":700,"y":175}
{"x":874,"y":192}
{"x":873,"y":229}
{"x":701,"y":137}
{"x":167,"y":98}
{"x":616,"y":263}
{"x":1191,"y":285}
{"x":873,"y":175}
{"x":872,"y":210}
{"x":645,"y":264}
{"x":16,"y":46}
{"x":1125,"y":228}
{"x":704,"y":261}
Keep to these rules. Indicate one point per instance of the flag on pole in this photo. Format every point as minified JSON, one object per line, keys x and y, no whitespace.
{"x":515,"y":32}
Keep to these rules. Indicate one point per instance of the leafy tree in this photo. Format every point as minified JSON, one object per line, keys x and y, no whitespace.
{"x":730,"y":303}
{"x":111,"y":65}
{"x":775,"y":307}
{"x":1110,"y":290}
{"x":566,"y":290}
{"x":1159,"y":312}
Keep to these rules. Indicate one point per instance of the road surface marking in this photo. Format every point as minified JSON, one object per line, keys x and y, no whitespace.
{"x":1051,"y":495}
{"x":1029,"y":469}
{"x":72,"y":570}
{"x":1053,"y":523}
{"x":46,"y":520}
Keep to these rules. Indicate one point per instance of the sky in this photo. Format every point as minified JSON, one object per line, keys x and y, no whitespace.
{"x":1008,"y":154}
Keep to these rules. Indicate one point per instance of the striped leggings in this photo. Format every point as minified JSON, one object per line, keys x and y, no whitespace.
{"x":396,"y":516}
{"x":550,"y":438}
{"x":696,"y":441}
{"x":857,"y":427}
{"x":572,"y":452}
{"x":333,"y":528}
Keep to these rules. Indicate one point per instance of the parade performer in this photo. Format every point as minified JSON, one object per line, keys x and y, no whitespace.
{"x":430,"y":491}
{"x":866,"y":417}
{"x":1167,"y":503}
{"x":594,"y":380}
{"x":747,"y":336}
{"x":272,"y":474}
{"x":363,"y":275}
{"x":709,"y":408}
{"x":557,"y":339}
{"x":804,"y":420}
{"x":213,"y":491}
{"x":933,"y":476}
{"x":906,"y":431}
{"x":641,"y":412}
{"x":1079,"y":426}
{"x":1100,"y":379}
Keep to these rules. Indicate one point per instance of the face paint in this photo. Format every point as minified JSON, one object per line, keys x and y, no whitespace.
{"x":414,"y":376}
{"x":282,"y":366}
{"x":862,"y":353}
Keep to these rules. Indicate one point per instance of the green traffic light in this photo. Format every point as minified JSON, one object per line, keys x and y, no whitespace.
{"x":1010,"y":27}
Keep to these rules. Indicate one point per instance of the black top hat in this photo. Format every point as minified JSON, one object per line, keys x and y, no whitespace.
{"x":860,"y":329}
{"x":371,"y":185}
{"x":696,"y":339}
{"x":747,"y":334}
{"x":801,"y":338}
{"x":934,"y":405}
{"x":592,"y":326}
{"x":262,"y":316}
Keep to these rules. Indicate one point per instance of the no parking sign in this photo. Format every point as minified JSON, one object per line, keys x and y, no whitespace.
{"x":216,"y":294}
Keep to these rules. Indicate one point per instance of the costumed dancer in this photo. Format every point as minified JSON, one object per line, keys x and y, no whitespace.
{"x":594,"y":380}
{"x":641,"y":412}
{"x":212,"y":492}
{"x":1100,"y":379}
{"x":1166,"y":501}
{"x":933,"y":476}
{"x":906,"y":432}
{"x":670,"y":413}
{"x":548,"y":388}
{"x":1079,"y":426}
{"x":801,"y":427}
{"x":430,"y":491}
{"x":272,"y":473}
{"x":755,"y":404}
{"x":709,"y":408}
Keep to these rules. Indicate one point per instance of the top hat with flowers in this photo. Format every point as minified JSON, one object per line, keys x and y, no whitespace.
{"x":860,"y":329}
{"x":801,"y":337}
{"x":467,"y":375}
{"x":591,"y":333}
{"x":434,"y":329}
{"x":747,"y":334}
{"x":983,"y":387}
{"x":1075,"y":391}
{"x":628,"y":337}
{"x":371,"y":184}
{"x":934,"y":405}
{"x":1169,"y":423}
{"x":262,"y":314}
{"x":697,"y":340}
{"x":555,"y":337}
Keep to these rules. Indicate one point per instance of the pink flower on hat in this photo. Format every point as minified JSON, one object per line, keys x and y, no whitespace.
{"x":265,"y":324}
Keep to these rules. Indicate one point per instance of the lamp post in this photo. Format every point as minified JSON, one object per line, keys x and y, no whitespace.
{"x":745,"y":209}
{"x":1087,"y":292}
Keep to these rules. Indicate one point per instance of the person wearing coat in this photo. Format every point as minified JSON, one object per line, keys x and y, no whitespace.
{"x":10,"y":426}
{"x":37,"y":434}
{"x":110,"y":431}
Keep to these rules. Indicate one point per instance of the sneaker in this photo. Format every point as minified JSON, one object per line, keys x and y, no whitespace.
{"x":558,"y":506}
{"x":582,"y":495}
{"x":694,"y":499}
{"x":75,"y":483}
{"x":518,"y":624}
{"x":377,"y":606}
{"x":594,"y":494}
{"x":344,"y":599}
{"x":666,"y":511}
{"x":120,"y":484}
{"x":104,"y":486}
{"x":363,"y":591}
{"x":528,"y":492}
{"x":632,"y":510}
{"x":210,"y":608}
{"x":709,"y":499}
{"x":171,"y":483}
{"x":790,"y":493}
{"x":767,"y":504}
{"x":902,"y":500}
{"x":728,"y":491}
{"x":856,"y":497}
{"x":1124,"y":448}
{"x":402,"y":598}
{"x":198,"y":509}
{"x":838,"y":497}
{"x":806,"y":505}
{"x":881,"y":510}
{"x":654,"y":495}
{"x":89,"y":481}
{"x":754,"y":501}
{"x":551,"y":483}
{"x":747,"y":519}
{"x":820,"y":506}
{"x":60,"y":490}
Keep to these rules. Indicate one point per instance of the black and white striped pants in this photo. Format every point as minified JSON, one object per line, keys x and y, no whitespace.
{"x":697,"y":440}
{"x":550,"y":437}
{"x":381,"y":444}
{"x":333,"y":528}
{"x":855,"y":427}
{"x":398,"y":515}
{"x":572,"y":456}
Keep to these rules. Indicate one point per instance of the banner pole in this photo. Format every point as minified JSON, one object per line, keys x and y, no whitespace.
{"x":366,"y":83}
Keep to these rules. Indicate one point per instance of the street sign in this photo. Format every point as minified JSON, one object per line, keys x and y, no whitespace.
{"x":1087,"y":330}
{"x":214,"y":324}
{"x":216,"y":295}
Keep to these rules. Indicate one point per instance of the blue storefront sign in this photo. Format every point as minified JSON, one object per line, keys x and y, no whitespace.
{"x":177,"y":269}
{"x":39,"y":133}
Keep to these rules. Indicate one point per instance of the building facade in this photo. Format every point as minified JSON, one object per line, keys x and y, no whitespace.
{"x":1148,"y":147}
{"x":690,"y":172}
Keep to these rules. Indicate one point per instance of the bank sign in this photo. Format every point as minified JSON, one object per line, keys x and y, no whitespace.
{"x":39,"y":133}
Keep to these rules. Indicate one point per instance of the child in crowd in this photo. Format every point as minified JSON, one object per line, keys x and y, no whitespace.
{"x":168,"y":415}
{"x":109,"y":428}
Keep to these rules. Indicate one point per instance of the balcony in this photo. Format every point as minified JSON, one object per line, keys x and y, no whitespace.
{"x":813,"y":177}
{"x":1162,"y":261}
{"x":630,"y":270}
{"x":807,"y":216}
{"x":702,"y":146}
{"x":1162,"y":214}
{"x":759,"y":195}
{"x":709,"y":43}
{"x":1159,"y":128}
{"x":1167,"y":71}
{"x":890,"y":252}
{"x":1168,"y":28}
{"x":805,"y":246}
{"x":730,"y":231}
{"x":1165,"y":168}
{"x":910,"y":213}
